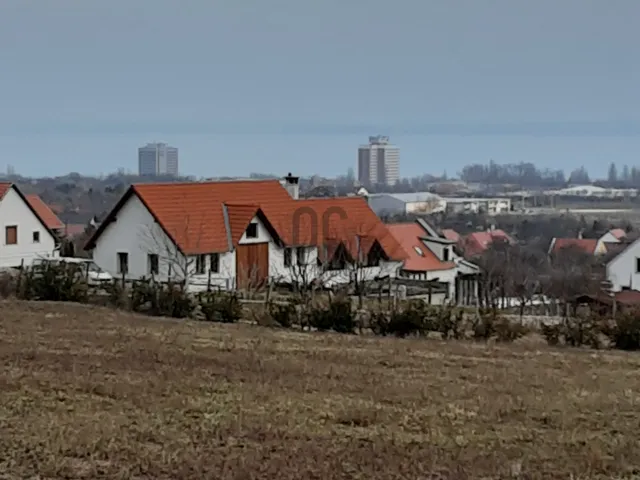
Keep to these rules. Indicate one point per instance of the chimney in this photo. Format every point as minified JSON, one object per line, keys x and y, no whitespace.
{"x":291,"y":184}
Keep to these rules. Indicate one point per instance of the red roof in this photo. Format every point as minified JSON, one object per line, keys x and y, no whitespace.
{"x":587,"y":245}
{"x":419,"y":257}
{"x":478,"y":242}
{"x":196,"y":216}
{"x":45,"y":212}
{"x":4,"y":187}
{"x":619,"y":233}
{"x":451,"y":234}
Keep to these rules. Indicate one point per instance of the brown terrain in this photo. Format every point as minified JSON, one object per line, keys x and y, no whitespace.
{"x":93,"y":393}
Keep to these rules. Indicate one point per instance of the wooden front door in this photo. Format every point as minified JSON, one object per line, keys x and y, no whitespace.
{"x":252,"y":265}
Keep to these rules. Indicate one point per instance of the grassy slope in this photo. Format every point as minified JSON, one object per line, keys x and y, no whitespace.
{"x":90,"y":393}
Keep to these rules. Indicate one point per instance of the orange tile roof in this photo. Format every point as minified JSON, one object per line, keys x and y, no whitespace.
{"x":451,"y":234}
{"x":408,"y":236}
{"x":44,"y":211}
{"x":587,"y":245}
{"x":193,"y":214}
{"x":619,"y":233}
{"x":4,"y":187}
{"x":478,"y":242}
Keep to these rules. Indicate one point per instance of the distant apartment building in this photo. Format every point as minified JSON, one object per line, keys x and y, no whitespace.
{"x":157,"y":159}
{"x":378,"y":162}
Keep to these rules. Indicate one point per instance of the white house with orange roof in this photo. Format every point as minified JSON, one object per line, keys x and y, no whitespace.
{"x":25,"y":234}
{"x":239,"y":234}
{"x":431,"y":258}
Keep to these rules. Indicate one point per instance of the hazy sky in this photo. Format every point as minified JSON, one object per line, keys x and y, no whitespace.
{"x":294,"y":85}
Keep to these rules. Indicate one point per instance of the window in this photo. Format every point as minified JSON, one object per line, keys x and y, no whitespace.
{"x":201,"y":264}
{"x":36,"y":237}
{"x":637,"y":264}
{"x":252,"y":230}
{"x":287,"y":257}
{"x":301,"y":256}
{"x":445,"y":255}
{"x":152,"y":264}
{"x":11,"y":235}
{"x":214,"y":262}
{"x":123,"y":263}
{"x":419,"y":251}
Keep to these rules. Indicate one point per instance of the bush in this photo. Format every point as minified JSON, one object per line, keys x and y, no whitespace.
{"x":625,"y":333}
{"x":283,"y":314}
{"x":8,"y":285}
{"x":402,"y":322}
{"x":338,"y":316}
{"x":492,"y":325}
{"x":575,"y":332}
{"x":220,"y":307}
{"x":449,"y":322}
{"x":62,"y":282}
{"x":174,"y":301}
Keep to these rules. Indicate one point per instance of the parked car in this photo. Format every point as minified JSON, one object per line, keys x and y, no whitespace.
{"x":92,"y":272}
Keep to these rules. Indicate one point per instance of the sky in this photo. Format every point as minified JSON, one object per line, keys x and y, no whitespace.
{"x":289,"y":85}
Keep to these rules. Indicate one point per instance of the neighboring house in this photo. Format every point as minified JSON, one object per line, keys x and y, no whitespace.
{"x":240,"y":233}
{"x":590,"y":246}
{"x":25,"y":234}
{"x":623,"y":267}
{"x":46,"y":213}
{"x":424,"y":203}
{"x":451,"y":234}
{"x":477,"y":243}
{"x":431,"y":257}
{"x":615,"y":235}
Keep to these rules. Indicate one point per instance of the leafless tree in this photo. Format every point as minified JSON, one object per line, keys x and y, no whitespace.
{"x":573,"y":273}
{"x":171,"y":260}
{"x":525,"y":269}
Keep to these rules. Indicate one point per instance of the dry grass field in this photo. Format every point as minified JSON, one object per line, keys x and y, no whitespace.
{"x":92,"y":393}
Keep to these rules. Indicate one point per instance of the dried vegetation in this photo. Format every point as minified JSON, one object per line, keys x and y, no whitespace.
{"x":88,"y":392}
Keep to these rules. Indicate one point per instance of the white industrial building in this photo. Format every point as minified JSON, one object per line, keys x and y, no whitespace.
{"x":490,"y":206}
{"x":423,"y":203}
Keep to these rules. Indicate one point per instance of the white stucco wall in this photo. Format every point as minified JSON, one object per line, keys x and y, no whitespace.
{"x":14,"y":211}
{"x":609,"y":238}
{"x":622,"y":271}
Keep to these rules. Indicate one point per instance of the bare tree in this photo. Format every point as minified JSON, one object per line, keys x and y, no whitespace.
{"x":573,"y":273}
{"x":524,"y":270}
{"x":165,"y":256}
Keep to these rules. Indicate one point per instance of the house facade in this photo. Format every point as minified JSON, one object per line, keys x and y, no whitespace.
{"x":25,"y":235}
{"x":431,"y":258}
{"x":615,"y":235}
{"x":623,"y":270}
{"x":242,"y":234}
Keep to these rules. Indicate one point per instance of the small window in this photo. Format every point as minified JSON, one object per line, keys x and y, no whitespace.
{"x":11,"y":235}
{"x":637,"y":264}
{"x":214,"y":262}
{"x":445,"y":255}
{"x":201,"y":264}
{"x":301,"y":256}
{"x":252,"y":230}
{"x":36,"y":237}
{"x":123,"y":263}
{"x":153,"y":264}
{"x":419,"y":251}
{"x":287,"y":257}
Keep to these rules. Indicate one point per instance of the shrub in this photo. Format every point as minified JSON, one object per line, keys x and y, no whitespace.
{"x":625,"y":333}
{"x":449,"y":322}
{"x":283,"y":314}
{"x":338,"y":316}
{"x":61,"y":282}
{"x":551,"y":333}
{"x":8,"y":285}
{"x":174,"y":301}
{"x":575,"y":332}
{"x":220,"y":307}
